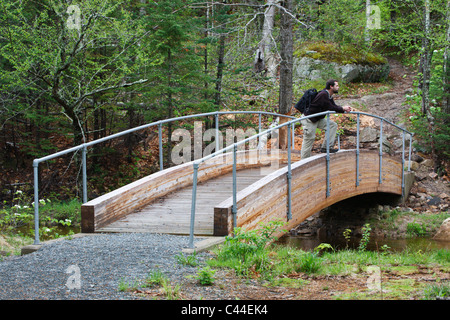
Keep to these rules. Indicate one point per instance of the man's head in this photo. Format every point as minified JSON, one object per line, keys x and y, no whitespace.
{"x":332,"y":85}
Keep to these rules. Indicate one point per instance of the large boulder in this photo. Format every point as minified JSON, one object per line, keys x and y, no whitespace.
{"x":311,"y":69}
{"x":443,"y":232}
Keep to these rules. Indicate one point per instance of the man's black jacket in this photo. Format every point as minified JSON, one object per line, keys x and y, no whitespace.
{"x":321,"y":103}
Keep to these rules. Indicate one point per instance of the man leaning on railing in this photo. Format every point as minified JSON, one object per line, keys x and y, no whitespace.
{"x":321,"y":103}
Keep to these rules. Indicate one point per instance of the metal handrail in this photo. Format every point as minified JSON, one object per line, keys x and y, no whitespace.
{"x":85,"y":145}
{"x":290,"y":124}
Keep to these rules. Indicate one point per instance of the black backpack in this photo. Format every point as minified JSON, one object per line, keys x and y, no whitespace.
{"x":303,"y":104}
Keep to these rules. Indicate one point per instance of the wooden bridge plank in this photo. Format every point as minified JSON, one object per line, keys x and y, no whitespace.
{"x":172,"y":213}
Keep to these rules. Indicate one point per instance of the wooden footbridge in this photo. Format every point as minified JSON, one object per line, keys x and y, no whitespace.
{"x":231,"y":188}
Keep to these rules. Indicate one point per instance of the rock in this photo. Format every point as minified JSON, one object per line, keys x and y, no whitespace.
{"x":443,"y":232}
{"x":398,"y":143}
{"x":422,"y":195}
{"x":387,"y":146}
{"x":413,"y":165}
{"x":420,"y":176}
{"x":434,"y":201}
{"x":306,"y":232}
{"x":443,"y":195}
{"x":433,"y":175}
{"x":416,"y":158}
{"x":312,"y":69}
{"x":388,"y":95}
{"x":428,"y":163}
{"x":368,"y":134}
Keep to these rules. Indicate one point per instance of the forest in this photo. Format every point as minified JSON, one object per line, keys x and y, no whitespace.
{"x":76,"y":71}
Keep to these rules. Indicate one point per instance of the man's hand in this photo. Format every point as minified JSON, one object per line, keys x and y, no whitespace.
{"x":347,"y":108}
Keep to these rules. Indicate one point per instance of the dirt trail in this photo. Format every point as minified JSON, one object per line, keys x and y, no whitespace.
{"x":389,"y":104}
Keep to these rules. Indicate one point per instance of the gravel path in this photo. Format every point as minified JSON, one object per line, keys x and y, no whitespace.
{"x":91,"y":267}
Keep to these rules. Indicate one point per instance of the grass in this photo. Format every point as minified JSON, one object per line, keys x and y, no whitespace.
{"x":154,"y":280}
{"x":279,"y":265}
{"x":403,"y":224}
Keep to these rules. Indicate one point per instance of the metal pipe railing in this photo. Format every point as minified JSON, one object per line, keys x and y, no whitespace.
{"x":196,"y":164}
{"x":84,"y":147}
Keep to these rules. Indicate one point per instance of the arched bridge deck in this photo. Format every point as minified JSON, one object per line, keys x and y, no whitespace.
{"x":161,"y":202}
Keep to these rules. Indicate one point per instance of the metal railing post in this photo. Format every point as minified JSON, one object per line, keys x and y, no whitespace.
{"x":234,"y":209}
{"x":217,"y":131}
{"x":161,"y":164}
{"x":289,"y":175}
{"x":357,"y":150}
{"x":410,"y":150}
{"x":380,"y":173}
{"x":259,"y":123}
{"x":83,"y":160}
{"x":328,"y":154}
{"x":293,"y":136}
{"x":403,"y":164}
{"x":36,"y":201}
{"x":194,"y":198}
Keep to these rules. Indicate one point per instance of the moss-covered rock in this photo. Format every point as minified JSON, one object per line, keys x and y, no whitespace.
{"x":310,"y":69}
{"x":325,"y":60}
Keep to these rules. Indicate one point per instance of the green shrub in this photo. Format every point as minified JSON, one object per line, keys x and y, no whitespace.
{"x":308,"y":262}
{"x":416,"y":229}
{"x":206,"y":276}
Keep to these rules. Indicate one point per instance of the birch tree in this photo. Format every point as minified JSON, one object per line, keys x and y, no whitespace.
{"x":286,"y":65}
{"x":265,"y":59}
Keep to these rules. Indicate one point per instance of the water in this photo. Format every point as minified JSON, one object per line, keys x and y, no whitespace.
{"x":52,"y":233}
{"x":375,"y":244}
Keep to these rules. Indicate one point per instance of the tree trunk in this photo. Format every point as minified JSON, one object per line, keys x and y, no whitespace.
{"x":426,"y":74}
{"x":286,"y":51}
{"x":169,"y":104}
{"x":446,"y":77}
{"x":265,"y":59}
{"x":367,"y":32}
{"x":220,"y":65}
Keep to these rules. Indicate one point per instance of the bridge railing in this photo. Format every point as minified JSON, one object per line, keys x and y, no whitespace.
{"x":83,"y":147}
{"x":290,"y":125}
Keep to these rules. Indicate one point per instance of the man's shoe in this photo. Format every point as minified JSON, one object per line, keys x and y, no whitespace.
{"x":332,"y":150}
